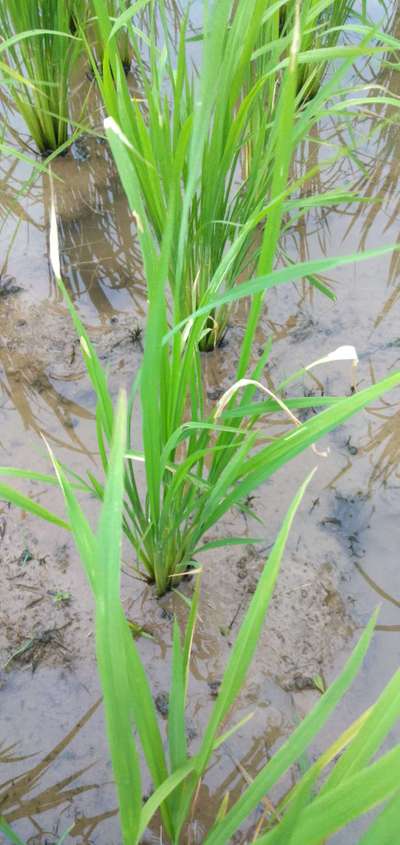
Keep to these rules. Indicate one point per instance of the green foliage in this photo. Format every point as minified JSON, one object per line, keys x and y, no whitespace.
{"x":114,"y":9}
{"x":196,"y":469}
{"x":322,"y":27}
{"x":324,"y":800}
{"x":244,"y":141}
{"x":179,"y":155}
{"x":199,"y":462}
{"x":37,"y":52}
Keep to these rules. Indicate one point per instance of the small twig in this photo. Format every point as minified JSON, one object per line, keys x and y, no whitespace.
{"x":235,"y":615}
{"x":33,"y":603}
{"x":269,"y":807}
{"x":196,"y":795}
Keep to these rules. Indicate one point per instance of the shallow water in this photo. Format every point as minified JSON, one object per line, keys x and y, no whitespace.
{"x":342,"y":557}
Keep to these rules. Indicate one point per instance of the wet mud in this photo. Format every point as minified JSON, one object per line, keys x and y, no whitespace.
{"x":342,"y":556}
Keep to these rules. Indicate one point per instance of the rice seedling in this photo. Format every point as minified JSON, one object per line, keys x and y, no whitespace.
{"x":198,"y":468}
{"x":322,"y":27}
{"x":240,"y":154}
{"x":199,"y":462}
{"x":131,"y":20}
{"x":334,"y":790}
{"x":77,"y":15}
{"x":114,"y":9}
{"x":324,"y":24}
{"x":38,"y":51}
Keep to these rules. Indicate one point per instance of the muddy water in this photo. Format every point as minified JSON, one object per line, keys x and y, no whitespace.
{"x":342,"y":557}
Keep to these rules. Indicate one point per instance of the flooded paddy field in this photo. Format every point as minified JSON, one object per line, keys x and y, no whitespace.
{"x":342,"y":557}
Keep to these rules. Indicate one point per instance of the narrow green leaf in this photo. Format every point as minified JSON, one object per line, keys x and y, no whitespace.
{"x":385,"y":829}
{"x":353,"y":798}
{"x":7,"y":830}
{"x":382,"y":717}
{"x":294,"y":747}
{"x":20,"y":501}
{"x":278,"y":277}
{"x":111,"y":628}
{"x":162,"y":793}
{"x":282,"y":834}
{"x":247,"y":639}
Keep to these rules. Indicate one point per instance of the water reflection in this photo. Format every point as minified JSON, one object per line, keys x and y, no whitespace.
{"x":364,"y":153}
{"x":383,"y":442}
{"x":12,"y":190}
{"x":39,"y":404}
{"x":379,"y":178}
{"x":381,"y":592}
{"x":24,"y":797}
{"x":100,"y":253}
{"x":102,"y":271}
{"x":101,"y":257}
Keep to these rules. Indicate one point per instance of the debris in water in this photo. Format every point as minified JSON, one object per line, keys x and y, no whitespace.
{"x":25,"y":557}
{"x":9,"y":286}
{"x":162,"y":703}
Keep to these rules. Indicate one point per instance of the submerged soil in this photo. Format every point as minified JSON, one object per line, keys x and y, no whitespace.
{"x":342,"y":556}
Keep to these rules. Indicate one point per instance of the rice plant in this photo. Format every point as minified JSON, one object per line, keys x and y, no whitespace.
{"x":332,"y":793}
{"x":114,"y":9}
{"x":322,"y":27}
{"x":235,"y":189}
{"x":199,"y":462}
{"x":39,"y":50}
{"x":77,"y":14}
{"x":197,"y":467}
